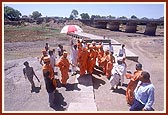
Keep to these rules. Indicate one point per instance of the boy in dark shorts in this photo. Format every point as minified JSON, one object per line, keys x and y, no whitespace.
{"x":29,"y":73}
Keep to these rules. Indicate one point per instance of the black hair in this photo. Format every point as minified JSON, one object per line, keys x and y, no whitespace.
{"x":75,"y":46}
{"x":145,"y":75}
{"x":26,"y":63}
{"x":50,"y":52}
{"x":138,"y":66}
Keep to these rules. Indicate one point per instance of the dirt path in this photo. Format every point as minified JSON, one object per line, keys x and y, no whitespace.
{"x":154,"y":63}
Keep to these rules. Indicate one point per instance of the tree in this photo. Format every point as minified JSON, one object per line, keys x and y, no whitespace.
{"x":95,"y":16}
{"x":11,"y":14}
{"x":74,"y":14}
{"x":133,"y":17}
{"x":36,"y":15}
{"x":85,"y":16}
{"x":123,"y":17}
{"x":161,"y":18}
{"x":144,"y":18}
{"x":111,"y":17}
{"x":71,"y":17}
{"x":24,"y":16}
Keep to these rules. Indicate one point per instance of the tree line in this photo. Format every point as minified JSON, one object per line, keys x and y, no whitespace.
{"x":14,"y":15}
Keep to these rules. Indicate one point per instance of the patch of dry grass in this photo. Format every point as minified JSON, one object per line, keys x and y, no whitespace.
{"x":30,"y":33}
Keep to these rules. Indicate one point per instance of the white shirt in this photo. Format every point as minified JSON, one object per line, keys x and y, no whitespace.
{"x":111,"y":48}
{"x":74,"y":55}
{"x":52,"y":61}
{"x":144,"y":93}
{"x":122,"y":51}
{"x":118,"y":69}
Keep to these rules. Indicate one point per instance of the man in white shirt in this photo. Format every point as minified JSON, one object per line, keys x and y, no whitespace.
{"x":111,"y":48}
{"x":122,"y":52}
{"x":52,"y":59}
{"x":117,"y":72}
{"x":74,"y":57}
{"x":144,"y":94}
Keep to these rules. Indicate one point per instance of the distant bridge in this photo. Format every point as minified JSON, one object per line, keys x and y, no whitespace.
{"x":131,"y":24}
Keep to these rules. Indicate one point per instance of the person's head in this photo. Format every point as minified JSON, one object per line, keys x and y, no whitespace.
{"x":65,"y":54}
{"x":26,"y":63}
{"x":84,"y":42}
{"x":60,"y":46}
{"x":144,"y":77}
{"x":46,"y":47}
{"x":75,"y":46}
{"x":78,"y":40}
{"x":88,"y":44}
{"x":123,"y":46}
{"x":107,"y":52}
{"x":101,"y":48}
{"x":46,"y":60}
{"x":91,"y":47}
{"x":44,"y":52}
{"x":138,"y":66}
{"x":100,"y":43}
{"x":93,"y":43}
{"x":84,"y":49}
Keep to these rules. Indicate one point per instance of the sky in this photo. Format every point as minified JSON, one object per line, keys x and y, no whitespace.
{"x":150,"y":10}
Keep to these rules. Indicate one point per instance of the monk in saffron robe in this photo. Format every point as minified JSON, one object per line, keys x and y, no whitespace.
{"x":100,"y":55}
{"x":79,"y":44}
{"x":104,"y":60}
{"x":50,"y":82}
{"x":110,"y":60}
{"x":83,"y":59}
{"x":109,"y":65}
{"x":87,"y":46}
{"x":42,"y":57}
{"x":92,"y":59}
{"x":63,"y":64}
{"x":133,"y":83}
{"x":48,"y":67}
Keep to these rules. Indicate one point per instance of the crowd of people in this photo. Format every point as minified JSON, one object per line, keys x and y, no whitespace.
{"x":85,"y":57}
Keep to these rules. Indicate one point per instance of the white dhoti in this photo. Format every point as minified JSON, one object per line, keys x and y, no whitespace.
{"x":74,"y":67}
{"x":74,"y":59}
{"x":117,"y":74}
{"x":114,"y":80}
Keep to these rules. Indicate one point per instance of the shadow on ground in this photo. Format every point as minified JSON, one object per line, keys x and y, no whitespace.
{"x":120,"y":91}
{"x":71,"y":87}
{"x":97,"y":82}
{"x":60,"y":104}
